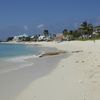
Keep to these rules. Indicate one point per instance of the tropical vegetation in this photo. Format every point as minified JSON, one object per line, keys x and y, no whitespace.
{"x":83,"y":32}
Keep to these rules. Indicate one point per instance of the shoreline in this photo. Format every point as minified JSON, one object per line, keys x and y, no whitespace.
{"x":23,"y":60}
{"x":47,"y":50}
{"x":18,"y":78}
{"x":75,"y":76}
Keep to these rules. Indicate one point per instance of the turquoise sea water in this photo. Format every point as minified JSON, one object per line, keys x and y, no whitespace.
{"x":16,"y":50}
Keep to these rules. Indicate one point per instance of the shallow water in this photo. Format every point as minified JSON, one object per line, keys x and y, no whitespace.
{"x":14,"y":56}
{"x":16,"y":50}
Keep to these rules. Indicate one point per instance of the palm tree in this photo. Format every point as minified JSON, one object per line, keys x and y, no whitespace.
{"x":68,"y":34}
{"x":9,"y":39}
{"x":65,"y":32}
{"x":76,"y":34}
{"x":86,"y":28}
{"x":46,"y":33}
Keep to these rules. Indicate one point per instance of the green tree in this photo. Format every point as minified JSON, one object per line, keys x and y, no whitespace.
{"x":86,"y":28}
{"x":71,"y":32}
{"x":68,"y":35}
{"x":46,"y":33}
{"x":9,"y":38}
{"x":65,"y":32}
{"x":71,"y":35}
{"x":76,"y":34}
{"x":27,"y":38}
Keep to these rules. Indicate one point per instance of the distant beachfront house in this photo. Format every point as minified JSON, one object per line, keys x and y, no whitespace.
{"x":86,"y":36}
{"x":49,"y":38}
{"x":59,"y":37}
{"x":20,"y":38}
{"x":96,"y":30}
{"x":44,"y":38}
{"x":34,"y":38}
{"x":95,"y":33}
{"x":41,"y":38}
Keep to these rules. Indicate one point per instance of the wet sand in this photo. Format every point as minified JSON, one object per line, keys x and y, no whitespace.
{"x":13,"y":82}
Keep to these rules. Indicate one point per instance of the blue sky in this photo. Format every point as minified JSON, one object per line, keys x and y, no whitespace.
{"x":32,"y":16}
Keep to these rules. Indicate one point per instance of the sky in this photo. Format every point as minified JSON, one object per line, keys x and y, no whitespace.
{"x":33,"y":16}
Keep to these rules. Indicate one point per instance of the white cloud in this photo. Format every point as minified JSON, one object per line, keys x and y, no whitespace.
{"x":26,"y":27}
{"x":40,"y":26}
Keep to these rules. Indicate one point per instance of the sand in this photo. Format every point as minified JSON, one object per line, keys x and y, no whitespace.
{"x":74,"y":77}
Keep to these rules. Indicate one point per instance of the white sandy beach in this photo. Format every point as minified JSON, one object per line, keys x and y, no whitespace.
{"x":75,"y":77}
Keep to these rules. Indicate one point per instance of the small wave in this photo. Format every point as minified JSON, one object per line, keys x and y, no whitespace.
{"x":22,"y":58}
{"x":16,"y":68}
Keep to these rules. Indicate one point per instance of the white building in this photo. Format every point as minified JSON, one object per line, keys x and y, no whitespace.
{"x":41,"y":38}
{"x":32,"y":37}
{"x":19,"y":37}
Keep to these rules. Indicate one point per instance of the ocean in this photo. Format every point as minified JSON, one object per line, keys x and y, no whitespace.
{"x":18,"y":50}
{"x":14,"y":56}
{"x":18,"y":56}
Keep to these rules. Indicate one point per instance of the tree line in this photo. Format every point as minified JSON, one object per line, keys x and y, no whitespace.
{"x":84,"y":31}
